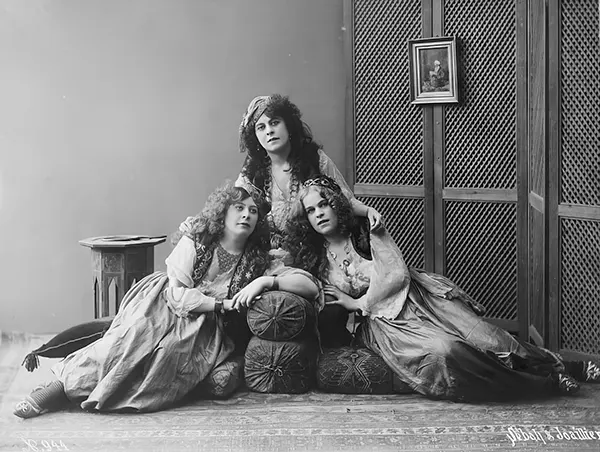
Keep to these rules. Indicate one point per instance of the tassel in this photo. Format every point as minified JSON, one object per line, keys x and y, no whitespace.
{"x":31,"y":362}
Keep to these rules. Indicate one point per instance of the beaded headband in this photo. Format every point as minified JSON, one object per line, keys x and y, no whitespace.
{"x":323,"y":181}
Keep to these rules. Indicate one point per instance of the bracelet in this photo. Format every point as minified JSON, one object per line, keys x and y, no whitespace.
{"x":275,"y":285}
{"x":219,"y":307}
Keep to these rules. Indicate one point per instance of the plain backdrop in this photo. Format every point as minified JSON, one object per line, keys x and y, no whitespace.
{"x":120,"y":117}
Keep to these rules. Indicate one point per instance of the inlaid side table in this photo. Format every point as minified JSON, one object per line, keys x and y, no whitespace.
{"x":124,"y":259}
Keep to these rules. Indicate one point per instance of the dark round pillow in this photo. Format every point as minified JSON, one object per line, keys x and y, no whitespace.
{"x":222,"y":381}
{"x":281,"y":316}
{"x":349,"y":370}
{"x":280,"y":367}
{"x":68,"y":341}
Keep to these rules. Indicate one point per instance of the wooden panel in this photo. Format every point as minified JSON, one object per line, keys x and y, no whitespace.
{"x":429,"y":171}
{"x":403,"y":191}
{"x":479,"y":194}
{"x":537,"y":268}
{"x":537,"y":96}
{"x":553,"y":175}
{"x":350,"y":134}
{"x":521,"y":136}
{"x":537,"y":309}
{"x":583,"y":212}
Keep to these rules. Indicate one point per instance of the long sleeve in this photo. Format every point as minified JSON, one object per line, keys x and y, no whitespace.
{"x":180,"y":263}
{"x":328,"y":168}
{"x":181,"y":296}
{"x":390,"y":279}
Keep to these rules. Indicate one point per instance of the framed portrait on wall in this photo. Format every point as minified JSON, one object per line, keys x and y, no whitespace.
{"x":433,"y":70}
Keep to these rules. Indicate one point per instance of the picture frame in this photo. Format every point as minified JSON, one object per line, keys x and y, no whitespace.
{"x":433,"y":70}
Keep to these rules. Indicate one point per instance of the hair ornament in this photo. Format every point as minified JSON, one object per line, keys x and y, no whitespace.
{"x":323,"y":181}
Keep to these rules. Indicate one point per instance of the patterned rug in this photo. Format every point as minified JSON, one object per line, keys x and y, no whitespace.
{"x":308,"y":422}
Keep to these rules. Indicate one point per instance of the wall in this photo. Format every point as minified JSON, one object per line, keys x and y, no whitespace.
{"x":119,"y":117}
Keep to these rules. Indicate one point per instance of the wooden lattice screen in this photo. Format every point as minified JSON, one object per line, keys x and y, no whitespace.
{"x":579,"y":226}
{"x":480,"y":153}
{"x":502,"y":191}
{"x":478,"y":247}
{"x":388,"y":130}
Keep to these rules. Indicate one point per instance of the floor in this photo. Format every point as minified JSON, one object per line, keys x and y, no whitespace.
{"x":307,"y":422}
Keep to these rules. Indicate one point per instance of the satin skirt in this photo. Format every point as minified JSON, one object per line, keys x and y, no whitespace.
{"x":442,"y":349}
{"x":148,"y":359}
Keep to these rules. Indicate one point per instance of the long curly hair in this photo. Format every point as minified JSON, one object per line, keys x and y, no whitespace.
{"x":209,"y":225}
{"x":305,"y":244}
{"x":303,"y":158}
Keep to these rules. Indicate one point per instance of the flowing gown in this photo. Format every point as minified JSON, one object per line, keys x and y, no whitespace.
{"x":156,"y":351}
{"x":433,"y":341}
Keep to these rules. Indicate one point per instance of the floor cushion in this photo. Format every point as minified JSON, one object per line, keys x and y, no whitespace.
{"x":222,"y":381}
{"x":286,"y":367}
{"x":281,"y":316}
{"x":350,"y":370}
{"x":68,"y":341}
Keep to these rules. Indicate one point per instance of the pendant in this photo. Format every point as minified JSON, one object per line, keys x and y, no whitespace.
{"x":346,"y":263}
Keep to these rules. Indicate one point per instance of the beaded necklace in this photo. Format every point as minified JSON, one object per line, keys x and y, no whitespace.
{"x":226,"y":259}
{"x":346,"y":261}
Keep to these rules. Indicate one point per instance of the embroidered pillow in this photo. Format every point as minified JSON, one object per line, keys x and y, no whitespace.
{"x":222,"y":381}
{"x":349,"y":370}
{"x":286,"y":367}
{"x":281,"y":316}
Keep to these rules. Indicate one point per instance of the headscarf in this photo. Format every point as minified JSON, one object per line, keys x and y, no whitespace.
{"x":255,"y":110}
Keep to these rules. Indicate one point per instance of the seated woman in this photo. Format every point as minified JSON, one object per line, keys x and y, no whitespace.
{"x":281,"y":155}
{"x":420,"y":323}
{"x":170,"y":331}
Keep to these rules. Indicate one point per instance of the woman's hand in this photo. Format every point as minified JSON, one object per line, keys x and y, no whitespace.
{"x":247,"y":296}
{"x":228,"y":304}
{"x":340,"y":298}
{"x":187,"y":226}
{"x":375,"y":218}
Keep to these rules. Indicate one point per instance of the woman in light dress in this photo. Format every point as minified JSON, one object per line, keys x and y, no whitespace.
{"x":173,"y":328}
{"x":423,"y":326}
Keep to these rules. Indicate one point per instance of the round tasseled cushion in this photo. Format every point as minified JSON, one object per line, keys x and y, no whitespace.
{"x":350,"y":370}
{"x":222,"y":381}
{"x":286,"y":367}
{"x":281,"y":316}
